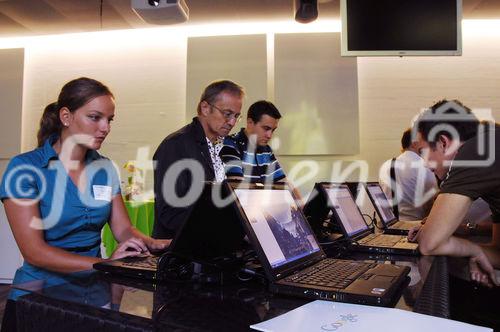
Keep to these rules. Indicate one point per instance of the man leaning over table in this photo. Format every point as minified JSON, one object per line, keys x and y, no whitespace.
{"x":193,"y":148}
{"x":453,"y":141}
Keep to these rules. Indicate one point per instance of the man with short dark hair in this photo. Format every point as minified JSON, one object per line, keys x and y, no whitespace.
{"x":462,"y":153}
{"x":246,"y":154}
{"x":415,"y":185}
{"x":190,"y":155}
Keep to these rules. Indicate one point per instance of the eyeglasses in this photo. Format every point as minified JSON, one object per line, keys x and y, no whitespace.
{"x":228,"y":115}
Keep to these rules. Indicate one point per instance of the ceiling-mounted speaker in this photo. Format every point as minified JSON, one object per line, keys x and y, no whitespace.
{"x":161,"y":11}
{"x":307,"y":10}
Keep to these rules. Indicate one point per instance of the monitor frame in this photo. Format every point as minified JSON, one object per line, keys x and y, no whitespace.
{"x":346,"y":52}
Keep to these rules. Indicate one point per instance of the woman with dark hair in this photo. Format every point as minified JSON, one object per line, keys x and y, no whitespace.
{"x":59,"y":196}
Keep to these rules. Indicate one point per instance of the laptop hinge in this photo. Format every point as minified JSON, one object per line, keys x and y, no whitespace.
{"x":363,"y":234}
{"x":392,"y":222}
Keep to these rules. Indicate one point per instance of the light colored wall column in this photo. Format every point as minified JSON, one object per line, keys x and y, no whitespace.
{"x":11,"y":94}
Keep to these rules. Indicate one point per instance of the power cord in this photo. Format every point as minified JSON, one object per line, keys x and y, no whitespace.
{"x":373,"y":221}
{"x":248,"y":273}
{"x":174,"y":267}
{"x":251,"y":268}
{"x":337,"y":248}
{"x":179,"y":268}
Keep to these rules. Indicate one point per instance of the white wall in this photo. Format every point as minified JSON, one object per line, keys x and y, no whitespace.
{"x":146,"y":73}
{"x":241,"y":59}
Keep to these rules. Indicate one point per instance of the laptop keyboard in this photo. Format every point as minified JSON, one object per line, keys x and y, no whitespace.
{"x":145,"y":263}
{"x":405,"y":244}
{"x":380,"y":240}
{"x":330,"y":273}
{"x":405,"y":224}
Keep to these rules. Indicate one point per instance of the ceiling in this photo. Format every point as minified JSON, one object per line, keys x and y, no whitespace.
{"x":38,"y":17}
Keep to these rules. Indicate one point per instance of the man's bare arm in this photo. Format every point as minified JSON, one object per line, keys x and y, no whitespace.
{"x":436,"y":236}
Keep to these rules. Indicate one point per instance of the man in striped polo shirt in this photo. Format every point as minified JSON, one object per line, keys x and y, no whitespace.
{"x":246,"y":154}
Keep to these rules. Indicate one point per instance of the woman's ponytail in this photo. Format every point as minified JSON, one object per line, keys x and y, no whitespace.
{"x":49,"y":123}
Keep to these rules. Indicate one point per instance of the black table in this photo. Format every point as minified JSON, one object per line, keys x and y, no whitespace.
{"x":94,"y":301}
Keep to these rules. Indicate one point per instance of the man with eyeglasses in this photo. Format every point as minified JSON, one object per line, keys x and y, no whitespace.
{"x":190,"y":155}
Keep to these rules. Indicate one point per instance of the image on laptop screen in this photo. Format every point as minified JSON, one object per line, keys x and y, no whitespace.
{"x":280,"y":227}
{"x":346,"y":209}
{"x":382,"y":203}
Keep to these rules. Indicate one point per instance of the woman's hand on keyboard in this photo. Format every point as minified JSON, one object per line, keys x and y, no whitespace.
{"x":157,"y":245}
{"x":130,"y":247}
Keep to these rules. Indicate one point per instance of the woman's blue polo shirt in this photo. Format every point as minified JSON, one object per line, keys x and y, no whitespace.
{"x":70,"y":219}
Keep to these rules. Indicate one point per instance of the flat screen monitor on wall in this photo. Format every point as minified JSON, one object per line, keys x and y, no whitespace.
{"x":401,"y":27}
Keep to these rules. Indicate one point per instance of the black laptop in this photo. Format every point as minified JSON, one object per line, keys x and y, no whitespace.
{"x":362,"y":237}
{"x":293,"y":261}
{"x":383,"y":207}
{"x":209,"y":236}
{"x":320,"y":217}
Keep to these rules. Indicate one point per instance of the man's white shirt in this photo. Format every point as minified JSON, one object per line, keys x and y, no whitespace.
{"x":416,"y":185}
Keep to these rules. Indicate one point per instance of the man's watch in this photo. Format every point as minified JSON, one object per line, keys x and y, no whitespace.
{"x":471,"y":227}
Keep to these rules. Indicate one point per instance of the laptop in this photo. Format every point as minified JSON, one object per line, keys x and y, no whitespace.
{"x":383,"y":207}
{"x":320,"y":216}
{"x":362,"y":200}
{"x":209,"y":236}
{"x":293,"y":261}
{"x":355,"y":228}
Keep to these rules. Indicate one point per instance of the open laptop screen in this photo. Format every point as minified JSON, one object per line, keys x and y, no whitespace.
{"x":363,"y":201}
{"x":382,"y":203}
{"x":346,"y":209}
{"x":280,"y":227}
